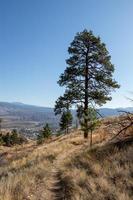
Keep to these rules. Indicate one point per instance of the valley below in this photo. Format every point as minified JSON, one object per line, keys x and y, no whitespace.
{"x":29,"y":119}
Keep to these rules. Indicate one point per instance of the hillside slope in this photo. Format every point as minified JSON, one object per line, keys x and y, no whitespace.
{"x":66,"y":168}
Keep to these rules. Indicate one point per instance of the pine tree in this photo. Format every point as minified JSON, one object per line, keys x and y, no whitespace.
{"x":7,"y":139}
{"x":62,"y":107}
{"x":66,"y":121}
{"x":88,"y":77}
{"x":45,"y":133}
{"x":14,"y":137}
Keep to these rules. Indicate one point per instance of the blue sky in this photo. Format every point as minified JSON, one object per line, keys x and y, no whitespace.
{"x":35,"y":35}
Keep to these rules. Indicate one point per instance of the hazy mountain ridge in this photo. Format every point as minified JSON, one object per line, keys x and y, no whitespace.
{"x":18,"y":115}
{"x":24,"y":110}
{"x":9,"y":108}
{"x":28,"y":116}
{"x":114,"y":111}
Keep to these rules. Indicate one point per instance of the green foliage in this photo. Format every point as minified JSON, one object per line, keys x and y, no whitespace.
{"x":92,"y":119}
{"x":14,"y":139}
{"x":88,"y":77}
{"x":45,"y":133}
{"x":80,"y":112}
{"x":63,"y":103}
{"x":7,"y":139}
{"x":92,"y":122}
{"x":10,"y":139}
{"x":66,"y":121}
{"x":62,"y":106}
{"x":40,"y":138}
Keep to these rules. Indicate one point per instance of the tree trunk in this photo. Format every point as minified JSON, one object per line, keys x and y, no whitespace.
{"x":86,"y":103}
{"x":91,"y":139}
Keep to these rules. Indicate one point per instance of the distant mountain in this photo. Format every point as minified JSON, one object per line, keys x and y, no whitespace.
{"x":20,"y":109}
{"x":17,"y":103}
{"x":114,"y":111}
{"x":19,"y":115}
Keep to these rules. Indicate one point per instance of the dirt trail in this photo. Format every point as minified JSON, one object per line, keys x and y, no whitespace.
{"x":57,"y":187}
{"x":51,"y":186}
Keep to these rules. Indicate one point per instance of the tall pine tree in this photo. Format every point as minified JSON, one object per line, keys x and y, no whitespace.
{"x":88,"y":77}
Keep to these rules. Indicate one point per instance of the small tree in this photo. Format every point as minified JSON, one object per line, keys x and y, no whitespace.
{"x":62,"y":106}
{"x":93,"y":122}
{"x":66,"y":121}
{"x":40,"y":138}
{"x":45,"y":133}
{"x":14,"y":137}
{"x":7,"y":139}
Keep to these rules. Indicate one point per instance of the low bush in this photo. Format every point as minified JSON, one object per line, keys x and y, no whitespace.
{"x":45,"y":133}
{"x":13,"y":138}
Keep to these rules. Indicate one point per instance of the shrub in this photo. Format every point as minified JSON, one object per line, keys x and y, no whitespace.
{"x":13,"y":138}
{"x":45,"y":133}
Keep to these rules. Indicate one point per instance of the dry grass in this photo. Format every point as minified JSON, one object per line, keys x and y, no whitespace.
{"x":103,"y":172}
{"x":21,"y":175}
{"x":25,"y":170}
